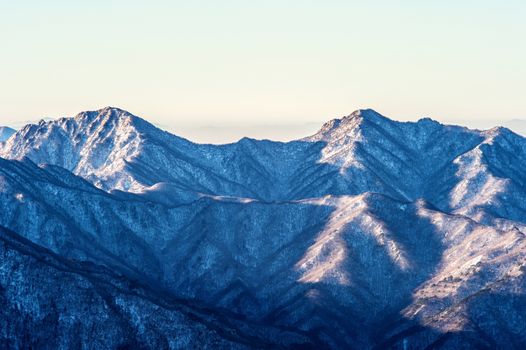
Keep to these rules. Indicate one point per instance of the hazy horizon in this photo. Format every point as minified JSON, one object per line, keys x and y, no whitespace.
{"x":220,"y":132}
{"x":243,"y":64}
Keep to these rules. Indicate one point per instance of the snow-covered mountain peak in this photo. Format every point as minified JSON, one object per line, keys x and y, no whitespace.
{"x":370,"y":224}
{"x":116,"y":150}
{"x":348,"y":123}
{"x":112,"y":116}
{"x":427,"y":121}
{"x":367,"y":114}
{"x":109,"y":111}
{"x":501,"y":131}
{"x":93,"y":144}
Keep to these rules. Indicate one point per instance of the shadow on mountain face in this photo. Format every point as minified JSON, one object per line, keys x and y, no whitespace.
{"x":50,"y":302}
{"x":490,"y":320}
{"x":417,"y":256}
{"x":243,"y":258}
{"x":382,"y":265}
{"x":259,"y":169}
{"x":491,"y":316}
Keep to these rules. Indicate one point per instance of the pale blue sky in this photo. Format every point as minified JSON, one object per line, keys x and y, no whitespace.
{"x":259,"y":65}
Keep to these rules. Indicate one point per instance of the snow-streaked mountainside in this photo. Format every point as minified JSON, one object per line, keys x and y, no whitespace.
{"x":372,"y":233}
{"x":5,"y":133}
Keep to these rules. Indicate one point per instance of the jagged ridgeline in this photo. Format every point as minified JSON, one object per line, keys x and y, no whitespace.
{"x":372,"y":233}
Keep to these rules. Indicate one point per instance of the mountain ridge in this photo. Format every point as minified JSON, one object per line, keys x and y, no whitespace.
{"x":372,"y":224}
{"x":347,"y":136}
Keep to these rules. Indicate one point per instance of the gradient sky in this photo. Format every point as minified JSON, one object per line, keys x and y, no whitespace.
{"x":216,"y":70}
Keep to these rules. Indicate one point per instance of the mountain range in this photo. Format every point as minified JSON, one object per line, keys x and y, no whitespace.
{"x":371,"y":233}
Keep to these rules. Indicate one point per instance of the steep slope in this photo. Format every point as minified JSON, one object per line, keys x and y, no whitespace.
{"x":369,"y":233}
{"x":475,"y":298}
{"x":475,"y":173}
{"x":95,"y":145}
{"x":363,"y":152}
{"x":56,"y":303}
{"x":492,"y":179}
{"x":305,"y":264}
{"x":118,"y":151}
{"x":65,"y":213}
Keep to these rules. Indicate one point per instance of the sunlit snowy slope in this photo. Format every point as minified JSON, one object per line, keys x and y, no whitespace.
{"x":372,"y":233}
